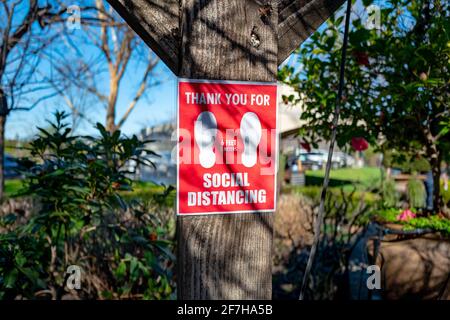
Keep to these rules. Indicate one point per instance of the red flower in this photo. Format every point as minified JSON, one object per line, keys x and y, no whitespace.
{"x":115,"y":185}
{"x":153,"y":236}
{"x":362,"y":58}
{"x":359,"y":144}
{"x":406,"y":215}
{"x":306,"y":146}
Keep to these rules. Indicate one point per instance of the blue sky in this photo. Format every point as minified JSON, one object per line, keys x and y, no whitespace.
{"x":158,"y":107}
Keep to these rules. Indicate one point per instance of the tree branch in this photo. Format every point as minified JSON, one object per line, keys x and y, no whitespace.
{"x":103,"y":32}
{"x":157,"y":23}
{"x":151,"y":65}
{"x":298,"y":19}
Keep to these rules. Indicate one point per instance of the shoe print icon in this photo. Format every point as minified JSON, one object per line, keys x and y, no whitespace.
{"x":250,"y":131}
{"x":205,"y":133}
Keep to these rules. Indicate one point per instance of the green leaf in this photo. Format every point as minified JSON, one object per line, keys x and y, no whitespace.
{"x":20,"y":259}
{"x":133,"y":268}
{"x":9,"y":219}
{"x":444,"y":131}
{"x":31,"y":274}
{"x":10,"y":279}
{"x":121,"y":270}
{"x":120,"y":201}
{"x":162,"y":245}
{"x":56,"y":173}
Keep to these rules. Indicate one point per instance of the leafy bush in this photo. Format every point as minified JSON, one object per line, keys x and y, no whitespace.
{"x":336,"y":196}
{"x":123,"y":247}
{"x":416,"y":193}
{"x":24,"y":262}
{"x":346,"y":212}
{"x":433,"y":222}
{"x":390,"y":195}
{"x":407,"y":163}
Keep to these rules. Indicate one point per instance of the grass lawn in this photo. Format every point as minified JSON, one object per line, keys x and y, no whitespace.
{"x":362,"y":177}
{"x":149,"y":191}
{"x":314,"y":192}
{"x":12,"y":186}
{"x":141,"y":190}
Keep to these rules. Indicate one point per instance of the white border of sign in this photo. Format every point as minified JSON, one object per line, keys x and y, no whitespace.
{"x":178,"y":144}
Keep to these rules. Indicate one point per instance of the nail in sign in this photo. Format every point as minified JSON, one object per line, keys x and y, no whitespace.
{"x":227,"y":148}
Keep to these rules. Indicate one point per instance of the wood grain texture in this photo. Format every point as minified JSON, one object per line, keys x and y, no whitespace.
{"x":157,"y":23}
{"x":217,"y":40}
{"x":298,"y":19}
{"x":226,"y":256}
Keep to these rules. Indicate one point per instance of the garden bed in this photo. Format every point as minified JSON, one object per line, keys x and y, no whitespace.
{"x":392,"y":219}
{"x":413,"y":257}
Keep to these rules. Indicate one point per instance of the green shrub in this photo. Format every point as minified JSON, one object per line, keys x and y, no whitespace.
{"x":445,"y":195}
{"x":346,"y":211}
{"x":24,"y":264}
{"x":416,"y":193}
{"x":12,"y":186}
{"x":341,"y":202}
{"x":407,"y":163}
{"x":363,"y":178}
{"x":123,"y":247}
{"x":433,"y":222}
{"x":390,"y":195}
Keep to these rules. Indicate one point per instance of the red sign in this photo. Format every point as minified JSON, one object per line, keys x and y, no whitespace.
{"x":228,"y":145}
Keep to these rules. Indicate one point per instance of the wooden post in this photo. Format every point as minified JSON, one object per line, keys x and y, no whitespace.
{"x":229,"y":256}
{"x":225,"y":256}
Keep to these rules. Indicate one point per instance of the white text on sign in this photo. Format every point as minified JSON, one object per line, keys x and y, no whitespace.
{"x":230,"y":197}
{"x":202,"y":98}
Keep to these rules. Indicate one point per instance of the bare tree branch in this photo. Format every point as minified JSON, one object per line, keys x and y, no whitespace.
{"x":139,"y":93}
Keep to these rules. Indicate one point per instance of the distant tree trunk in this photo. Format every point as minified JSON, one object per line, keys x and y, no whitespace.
{"x":2,"y":153}
{"x":3,"y":115}
{"x":435,"y":161}
{"x":111,"y":109}
{"x":113,"y":94}
{"x":436,"y":170}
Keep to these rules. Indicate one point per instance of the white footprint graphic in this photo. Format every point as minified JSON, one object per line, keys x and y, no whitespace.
{"x":205,"y":132}
{"x":251,"y":135}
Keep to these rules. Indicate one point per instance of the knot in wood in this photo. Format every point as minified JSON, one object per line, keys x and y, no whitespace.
{"x":254,"y":38}
{"x":265,"y":11}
